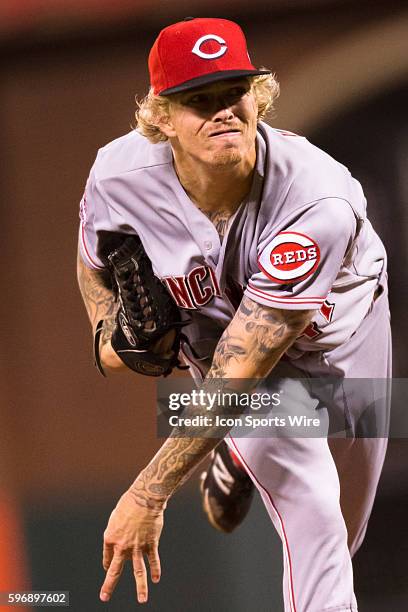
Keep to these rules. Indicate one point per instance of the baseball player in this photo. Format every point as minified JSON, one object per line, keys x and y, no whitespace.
{"x":263,"y":243}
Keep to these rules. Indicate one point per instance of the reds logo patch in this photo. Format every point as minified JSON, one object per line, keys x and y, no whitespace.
{"x":219,"y":52}
{"x":289,"y":258}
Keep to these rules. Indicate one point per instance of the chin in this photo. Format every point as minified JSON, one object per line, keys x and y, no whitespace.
{"x":229,"y":157}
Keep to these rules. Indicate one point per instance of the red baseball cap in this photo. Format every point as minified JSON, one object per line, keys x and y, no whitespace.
{"x":198,"y":51}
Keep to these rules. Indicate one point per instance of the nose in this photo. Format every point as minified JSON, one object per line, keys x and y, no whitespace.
{"x":223,"y":113}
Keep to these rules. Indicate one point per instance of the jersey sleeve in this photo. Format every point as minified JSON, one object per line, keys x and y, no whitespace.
{"x":93,"y":214}
{"x":298,"y":264}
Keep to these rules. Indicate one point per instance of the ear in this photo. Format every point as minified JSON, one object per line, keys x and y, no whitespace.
{"x":166,"y":126}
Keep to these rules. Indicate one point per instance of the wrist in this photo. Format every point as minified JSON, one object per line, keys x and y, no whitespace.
{"x":141,"y":490}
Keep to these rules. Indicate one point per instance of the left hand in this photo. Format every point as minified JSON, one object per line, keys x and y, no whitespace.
{"x":133,"y":530}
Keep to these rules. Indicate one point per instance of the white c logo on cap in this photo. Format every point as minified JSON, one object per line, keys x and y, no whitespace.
{"x":196,"y":49}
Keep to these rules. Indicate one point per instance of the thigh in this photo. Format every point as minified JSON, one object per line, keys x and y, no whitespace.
{"x":365,"y":365}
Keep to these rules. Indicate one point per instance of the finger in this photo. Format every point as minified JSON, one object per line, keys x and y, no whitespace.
{"x":107,"y":556}
{"x":112,"y":576}
{"x":139,"y":571}
{"x":154,"y":562}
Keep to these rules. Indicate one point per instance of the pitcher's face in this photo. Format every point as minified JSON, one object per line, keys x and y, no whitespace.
{"x":215,"y":124}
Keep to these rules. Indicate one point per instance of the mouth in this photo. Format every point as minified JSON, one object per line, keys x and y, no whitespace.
{"x":225,"y":132}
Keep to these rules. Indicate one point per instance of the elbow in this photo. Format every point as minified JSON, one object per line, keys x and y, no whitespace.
{"x":298,"y":320}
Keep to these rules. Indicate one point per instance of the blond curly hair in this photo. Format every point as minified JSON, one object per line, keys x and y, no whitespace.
{"x":152,"y":108}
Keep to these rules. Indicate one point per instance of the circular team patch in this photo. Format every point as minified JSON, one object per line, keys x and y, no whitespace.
{"x":289,"y":258}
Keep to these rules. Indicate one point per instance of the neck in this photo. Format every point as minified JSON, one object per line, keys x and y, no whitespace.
{"x":215,"y":188}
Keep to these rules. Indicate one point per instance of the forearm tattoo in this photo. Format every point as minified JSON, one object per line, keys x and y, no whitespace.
{"x":98,"y":299}
{"x":253,"y":343}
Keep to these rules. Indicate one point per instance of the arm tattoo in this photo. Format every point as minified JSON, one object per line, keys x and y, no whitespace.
{"x":171,"y":466}
{"x":264,"y":335}
{"x":249,"y":348}
{"x":99,"y":300}
{"x":267,"y":329}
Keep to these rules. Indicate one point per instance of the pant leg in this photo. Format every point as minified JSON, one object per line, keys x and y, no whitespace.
{"x":298,"y":482}
{"x":359,"y":463}
{"x":299,"y":485}
{"x":301,"y":479}
{"x":359,"y":460}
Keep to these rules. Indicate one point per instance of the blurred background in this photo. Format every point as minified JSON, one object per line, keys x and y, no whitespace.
{"x":71,"y":442}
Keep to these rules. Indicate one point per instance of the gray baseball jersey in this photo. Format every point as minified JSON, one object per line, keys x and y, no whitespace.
{"x":300,"y":240}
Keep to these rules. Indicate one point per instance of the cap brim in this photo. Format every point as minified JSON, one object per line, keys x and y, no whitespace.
{"x":211,"y":78}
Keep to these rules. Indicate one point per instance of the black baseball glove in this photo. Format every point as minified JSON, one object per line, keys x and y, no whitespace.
{"x":145,"y":314}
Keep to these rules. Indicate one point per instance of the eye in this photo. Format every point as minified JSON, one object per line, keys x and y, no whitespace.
{"x":197,"y":99}
{"x":237,"y":92}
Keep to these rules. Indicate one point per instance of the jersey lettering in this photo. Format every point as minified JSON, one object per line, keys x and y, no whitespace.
{"x":189,"y":292}
{"x":311,"y":331}
{"x":294,"y":256}
{"x":214,"y":281}
{"x":327,"y":310}
{"x":201,"y":295}
{"x":177,"y":286}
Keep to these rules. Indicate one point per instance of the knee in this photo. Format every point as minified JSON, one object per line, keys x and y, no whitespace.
{"x":324,"y":517}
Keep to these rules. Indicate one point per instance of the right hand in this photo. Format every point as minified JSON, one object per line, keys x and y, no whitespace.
{"x":133,"y":532}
